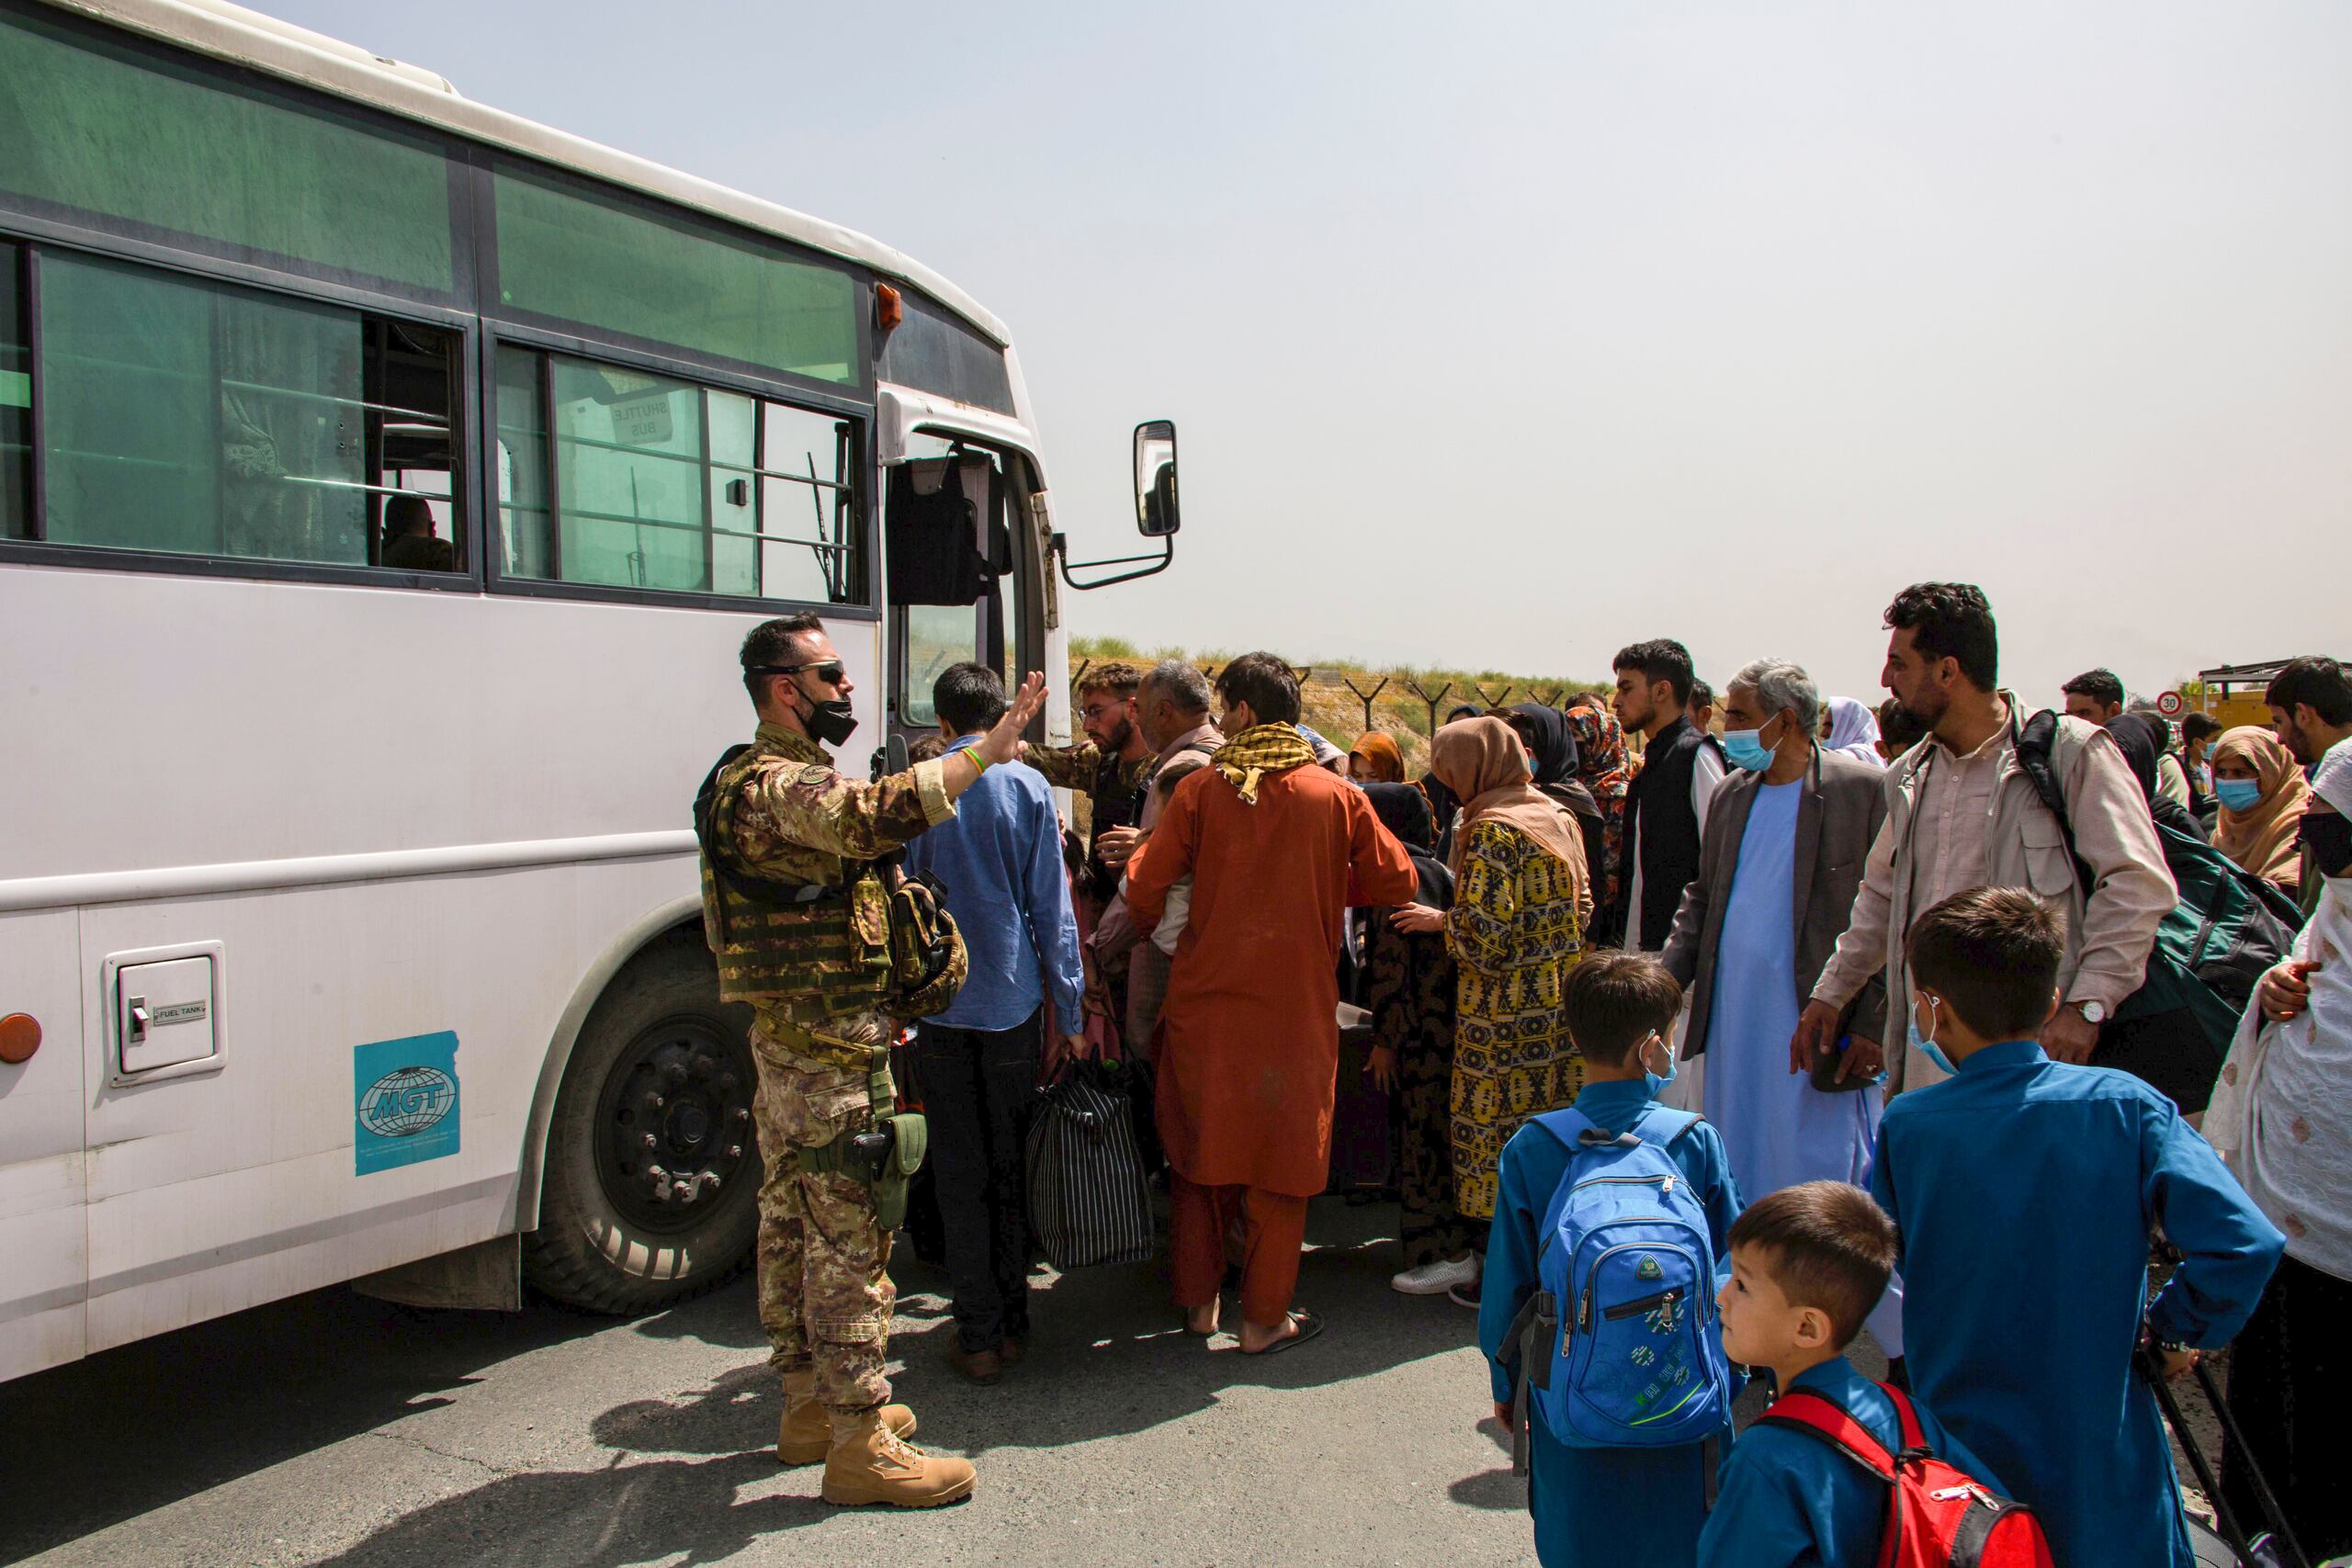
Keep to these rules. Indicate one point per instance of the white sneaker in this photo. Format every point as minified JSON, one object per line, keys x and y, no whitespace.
{"x":1437,"y":1279}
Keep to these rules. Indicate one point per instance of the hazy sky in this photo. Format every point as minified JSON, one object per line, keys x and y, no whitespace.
{"x":1506,"y":335}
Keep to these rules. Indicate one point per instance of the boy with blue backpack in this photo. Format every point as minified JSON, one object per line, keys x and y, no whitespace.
{"x":1598,"y":1315}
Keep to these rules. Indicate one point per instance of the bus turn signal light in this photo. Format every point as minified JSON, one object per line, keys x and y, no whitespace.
{"x":888,"y":309}
{"x":19,"y":1037}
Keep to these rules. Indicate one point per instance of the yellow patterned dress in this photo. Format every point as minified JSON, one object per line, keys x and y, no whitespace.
{"x":1515,"y":934}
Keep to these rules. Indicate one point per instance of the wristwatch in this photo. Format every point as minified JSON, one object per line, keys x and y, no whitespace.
{"x":2092,"y":1012}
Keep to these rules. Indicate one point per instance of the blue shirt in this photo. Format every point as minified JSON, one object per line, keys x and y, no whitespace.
{"x":1000,"y":860}
{"x":1790,"y":1500}
{"x":2025,"y":1192}
{"x":1617,"y":1508}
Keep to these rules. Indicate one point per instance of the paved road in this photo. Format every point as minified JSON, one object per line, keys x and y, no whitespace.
{"x":335,"y":1429}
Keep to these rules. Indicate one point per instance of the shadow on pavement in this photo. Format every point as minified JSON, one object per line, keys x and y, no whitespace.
{"x":145,"y":1425}
{"x":593,"y":1519}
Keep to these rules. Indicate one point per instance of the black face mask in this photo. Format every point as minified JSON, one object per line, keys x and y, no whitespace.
{"x":828,"y":723}
{"x":2329,"y":838}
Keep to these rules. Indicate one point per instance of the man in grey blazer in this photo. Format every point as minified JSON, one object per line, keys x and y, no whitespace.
{"x":1783,"y":856}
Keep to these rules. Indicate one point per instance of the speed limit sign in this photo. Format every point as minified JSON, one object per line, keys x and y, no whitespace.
{"x":2169,"y":704}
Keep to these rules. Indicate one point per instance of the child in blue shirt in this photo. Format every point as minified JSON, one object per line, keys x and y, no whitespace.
{"x":1621,"y":1508}
{"x":2025,"y":1193}
{"x":1808,"y":1265}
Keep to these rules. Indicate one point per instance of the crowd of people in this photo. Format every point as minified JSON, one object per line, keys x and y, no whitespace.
{"x":1877,"y":969}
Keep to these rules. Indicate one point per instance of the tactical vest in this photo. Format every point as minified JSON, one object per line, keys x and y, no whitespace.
{"x":826,"y":943}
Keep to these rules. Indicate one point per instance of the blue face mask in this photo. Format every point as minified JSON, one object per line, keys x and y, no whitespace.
{"x":2238,"y":795}
{"x":1656,"y":1082}
{"x":1745,"y":751}
{"x":1933,"y":1052}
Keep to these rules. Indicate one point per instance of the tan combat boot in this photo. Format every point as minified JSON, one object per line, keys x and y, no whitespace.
{"x":805,"y":1436}
{"x":869,"y":1463}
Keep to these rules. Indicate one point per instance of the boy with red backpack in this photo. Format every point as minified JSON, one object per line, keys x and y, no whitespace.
{"x":1598,"y":1314}
{"x":1815,"y":1482}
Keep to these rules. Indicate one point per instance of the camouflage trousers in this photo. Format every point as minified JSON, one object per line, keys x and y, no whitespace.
{"x":825,"y":1293}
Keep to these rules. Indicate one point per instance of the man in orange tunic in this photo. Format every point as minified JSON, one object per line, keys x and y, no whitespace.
{"x":1277,"y":849}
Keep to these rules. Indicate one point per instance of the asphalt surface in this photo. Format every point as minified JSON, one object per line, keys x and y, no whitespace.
{"x":338,"y":1430}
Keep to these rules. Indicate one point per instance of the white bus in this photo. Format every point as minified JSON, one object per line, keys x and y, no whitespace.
{"x":385,"y":484}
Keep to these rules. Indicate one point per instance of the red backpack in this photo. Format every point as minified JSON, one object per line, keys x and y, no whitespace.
{"x":1937,"y":1517}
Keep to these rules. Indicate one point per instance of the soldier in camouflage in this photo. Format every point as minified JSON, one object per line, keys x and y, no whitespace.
{"x":802,"y":937}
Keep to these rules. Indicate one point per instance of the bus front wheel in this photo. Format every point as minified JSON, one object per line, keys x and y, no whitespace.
{"x":651,"y":1183}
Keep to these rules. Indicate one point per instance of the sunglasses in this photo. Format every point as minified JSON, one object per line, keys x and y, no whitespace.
{"x":829,"y":671}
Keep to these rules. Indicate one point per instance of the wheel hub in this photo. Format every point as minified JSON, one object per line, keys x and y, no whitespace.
{"x":675,"y":1124}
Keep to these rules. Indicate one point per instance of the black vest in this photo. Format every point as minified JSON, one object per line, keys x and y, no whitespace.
{"x":1659,"y":803}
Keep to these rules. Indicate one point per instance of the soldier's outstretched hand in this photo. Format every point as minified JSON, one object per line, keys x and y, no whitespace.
{"x":1002,"y":744}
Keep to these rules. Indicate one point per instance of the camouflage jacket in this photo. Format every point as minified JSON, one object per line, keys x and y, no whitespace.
{"x":1114,"y":788}
{"x":782,"y":813}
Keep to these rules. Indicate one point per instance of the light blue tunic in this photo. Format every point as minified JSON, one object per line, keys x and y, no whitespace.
{"x":1790,"y":1500}
{"x":2026,"y":1192}
{"x":1777,"y":1127}
{"x":1608,"y":1507}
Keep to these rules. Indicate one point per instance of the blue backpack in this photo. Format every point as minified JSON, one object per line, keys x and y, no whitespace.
{"x":1618,"y":1345}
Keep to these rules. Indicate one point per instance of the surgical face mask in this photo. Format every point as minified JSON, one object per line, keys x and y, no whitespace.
{"x":2238,"y":795}
{"x":1656,"y":1082}
{"x":829,"y":723}
{"x":1926,"y":1043}
{"x":1746,"y":751}
{"x":2329,"y":838}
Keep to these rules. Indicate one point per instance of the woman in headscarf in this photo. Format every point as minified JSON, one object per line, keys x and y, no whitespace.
{"x":2263,"y":795}
{"x":2140,"y":745}
{"x":1521,"y":905}
{"x":1853,"y":729}
{"x":1552,"y":763}
{"x":1606,"y":771}
{"x":1376,"y":760}
{"x":2282,"y":1117}
{"x":1408,"y":990}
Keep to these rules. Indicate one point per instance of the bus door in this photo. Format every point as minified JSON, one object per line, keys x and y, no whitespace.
{"x":949,"y":551}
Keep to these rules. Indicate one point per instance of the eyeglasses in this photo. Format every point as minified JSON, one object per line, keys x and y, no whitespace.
{"x":1098,"y":710}
{"x":829,"y":671}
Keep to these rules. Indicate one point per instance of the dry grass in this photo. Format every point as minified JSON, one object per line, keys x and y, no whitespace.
{"x":1333,"y":692}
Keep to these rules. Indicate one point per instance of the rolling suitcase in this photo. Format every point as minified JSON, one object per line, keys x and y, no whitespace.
{"x":2232,"y":1546}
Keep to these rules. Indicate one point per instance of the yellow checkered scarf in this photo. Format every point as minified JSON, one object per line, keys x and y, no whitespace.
{"x":1258,"y":750}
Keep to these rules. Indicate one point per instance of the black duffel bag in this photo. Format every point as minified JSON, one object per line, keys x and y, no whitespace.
{"x":1089,"y":1201}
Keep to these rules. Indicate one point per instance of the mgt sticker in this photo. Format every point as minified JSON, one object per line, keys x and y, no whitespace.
{"x":404,"y":1102}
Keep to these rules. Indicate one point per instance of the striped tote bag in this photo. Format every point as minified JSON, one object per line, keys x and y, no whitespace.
{"x":1088,"y":1201}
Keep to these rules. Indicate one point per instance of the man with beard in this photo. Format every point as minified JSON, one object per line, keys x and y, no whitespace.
{"x":1962,"y":813}
{"x":1665,"y":809}
{"x":1108,"y":768}
{"x":2310,"y":713}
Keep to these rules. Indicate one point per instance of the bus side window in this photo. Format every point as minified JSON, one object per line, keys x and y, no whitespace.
{"x":198,"y":417}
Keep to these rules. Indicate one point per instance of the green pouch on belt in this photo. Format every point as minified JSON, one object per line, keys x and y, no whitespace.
{"x":909,"y":1139}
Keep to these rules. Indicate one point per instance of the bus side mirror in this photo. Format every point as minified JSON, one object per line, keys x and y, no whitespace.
{"x":1156,"y":513}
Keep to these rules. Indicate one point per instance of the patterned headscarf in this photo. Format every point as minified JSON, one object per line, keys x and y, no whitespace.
{"x":1604,"y":766}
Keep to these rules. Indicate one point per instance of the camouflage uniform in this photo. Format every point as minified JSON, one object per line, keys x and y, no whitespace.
{"x":814,"y":975}
{"x":1114,"y":788}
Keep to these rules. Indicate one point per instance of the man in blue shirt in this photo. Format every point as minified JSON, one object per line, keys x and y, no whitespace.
{"x":977,"y":1063}
{"x":2025,"y":1192}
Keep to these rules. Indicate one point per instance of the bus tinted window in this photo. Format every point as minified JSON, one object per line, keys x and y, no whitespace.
{"x":669,"y":485}
{"x":194,"y":418}
{"x":933,"y":351}
{"x":15,"y":399}
{"x":99,"y":130}
{"x":617,"y":269}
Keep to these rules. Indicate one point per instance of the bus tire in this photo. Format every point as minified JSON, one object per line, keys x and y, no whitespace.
{"x":650,"y":1188}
